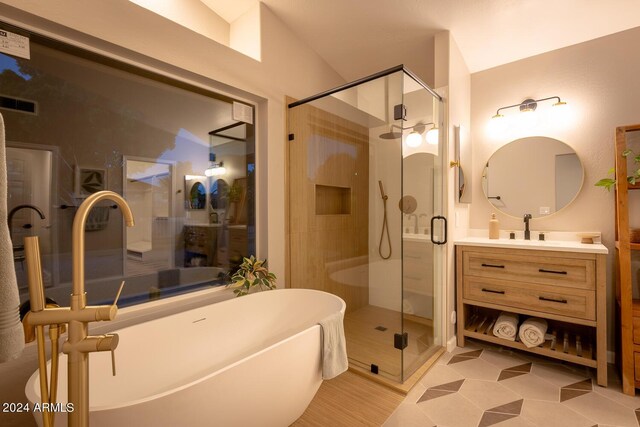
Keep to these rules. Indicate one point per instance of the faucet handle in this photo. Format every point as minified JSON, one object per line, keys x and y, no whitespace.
{"x":115,"y":301}
{"x":109,"y":342}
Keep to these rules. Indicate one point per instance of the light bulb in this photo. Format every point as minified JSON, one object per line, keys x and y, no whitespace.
{"x":414,"y":139}
{"x":215,"y":170}
{"x":562,"y":115}
{"x":432,"y":136}
{"x":497,"y":126}
{"x":527,"y":119}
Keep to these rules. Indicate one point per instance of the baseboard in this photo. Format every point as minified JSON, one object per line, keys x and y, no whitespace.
{"x":451,"y":344}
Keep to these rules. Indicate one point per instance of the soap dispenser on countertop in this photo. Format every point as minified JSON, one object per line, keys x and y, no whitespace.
{"x":494,"y":227}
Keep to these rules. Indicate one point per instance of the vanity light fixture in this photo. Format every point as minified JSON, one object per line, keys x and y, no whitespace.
{"x":216,"y":169}
{"x":528,"y":106}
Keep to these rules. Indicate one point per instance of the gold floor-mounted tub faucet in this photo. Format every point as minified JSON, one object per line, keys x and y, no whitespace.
{"x":78,"y":344}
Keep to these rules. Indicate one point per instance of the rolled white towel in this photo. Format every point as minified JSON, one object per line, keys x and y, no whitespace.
{"x":506,"y":326}
{"x":532,"y":331}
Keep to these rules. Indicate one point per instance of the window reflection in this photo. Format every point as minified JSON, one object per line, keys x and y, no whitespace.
{"x":102,"y":125}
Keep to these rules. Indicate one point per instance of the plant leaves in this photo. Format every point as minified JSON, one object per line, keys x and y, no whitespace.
{"x":606,"y":183}
{"x":626,"y":152}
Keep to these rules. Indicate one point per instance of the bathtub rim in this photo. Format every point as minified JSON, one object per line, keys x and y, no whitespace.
{"x":32,"y":385}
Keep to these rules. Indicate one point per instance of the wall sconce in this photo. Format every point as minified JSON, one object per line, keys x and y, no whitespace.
{"x":528,"y":106}
{"x":216,"y":169}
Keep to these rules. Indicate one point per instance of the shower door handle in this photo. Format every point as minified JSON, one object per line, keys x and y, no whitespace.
{"x":433,"y":220}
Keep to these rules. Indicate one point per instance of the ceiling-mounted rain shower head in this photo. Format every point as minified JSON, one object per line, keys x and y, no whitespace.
{"x":392,"y":134}
{"x":395,"y":134}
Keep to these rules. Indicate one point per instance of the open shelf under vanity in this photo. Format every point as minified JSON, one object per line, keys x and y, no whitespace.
{"x":579,"y":347}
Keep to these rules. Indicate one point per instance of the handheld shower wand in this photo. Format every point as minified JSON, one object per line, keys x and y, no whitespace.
{"x":385,"y":225}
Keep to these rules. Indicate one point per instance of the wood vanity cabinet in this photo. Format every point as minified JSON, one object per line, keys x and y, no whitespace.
{"x":200,"y":242}
{"x":566,"y":288}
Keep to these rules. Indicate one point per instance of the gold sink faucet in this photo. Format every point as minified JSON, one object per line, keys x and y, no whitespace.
{"x":79,"y":344}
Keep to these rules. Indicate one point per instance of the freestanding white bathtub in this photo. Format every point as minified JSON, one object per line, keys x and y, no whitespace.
{"x":249,"y":361}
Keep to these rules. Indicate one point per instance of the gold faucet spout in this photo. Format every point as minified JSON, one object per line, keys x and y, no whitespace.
{"x":77,"y":249}
{"x":79,"y":344}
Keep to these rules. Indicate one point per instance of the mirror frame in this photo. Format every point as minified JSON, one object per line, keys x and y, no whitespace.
{"x":536,"y":215}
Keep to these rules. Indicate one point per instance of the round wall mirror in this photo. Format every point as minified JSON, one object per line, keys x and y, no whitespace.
{"x":197,"y":196}
{"x":218,"y":194}
{"x":535,"y":175}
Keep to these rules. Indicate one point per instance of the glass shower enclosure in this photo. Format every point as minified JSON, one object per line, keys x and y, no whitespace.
{"x":366,"y":222}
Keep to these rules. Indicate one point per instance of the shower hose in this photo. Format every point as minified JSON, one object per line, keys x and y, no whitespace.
{"x":385,"y":225}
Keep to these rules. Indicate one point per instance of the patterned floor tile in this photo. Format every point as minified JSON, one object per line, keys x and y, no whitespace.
{"x":476,"y":369}
{"x":532,"y":387}
{"x":487,"y":394}
{"x":444,"y":358}
{"x":415,"y":393}
{"x":515,"y":371}
{"x":557,"y":374}
{"x":464,"y":357}
{"x":408,"y":416}
{"x":574,"y":390}
{"x":452,"y":410}
{"x":491,"y":418}
{"x":462,"y":389}
{"x":440,"y":374}
{"x":615,"y":393}
{"x":603,"y":410}
{"x":441,"y":390}
{"x":501,"y":413}
{"x":551,"y":414}
{"x":501,"y":359}
{"x":513,"y":408}
{"x":517,"y":422}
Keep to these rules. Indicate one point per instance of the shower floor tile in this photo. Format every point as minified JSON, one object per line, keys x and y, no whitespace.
{"x":368,"y":344}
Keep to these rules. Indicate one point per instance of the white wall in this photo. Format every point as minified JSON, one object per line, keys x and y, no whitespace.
{"x":121,"y":28}
{"x":599,"y":81}
{"x":453,"y":81}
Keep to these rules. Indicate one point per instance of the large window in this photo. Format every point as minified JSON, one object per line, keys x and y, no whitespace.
{"x":182,"y":157}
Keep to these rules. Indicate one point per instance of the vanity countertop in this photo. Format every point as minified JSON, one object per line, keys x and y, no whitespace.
{"x":207,"y":225}
{"x":545,"y":245}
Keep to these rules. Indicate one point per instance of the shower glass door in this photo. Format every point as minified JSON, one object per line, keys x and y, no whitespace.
{"x":423,"y":236}
{"x":347,"y":158}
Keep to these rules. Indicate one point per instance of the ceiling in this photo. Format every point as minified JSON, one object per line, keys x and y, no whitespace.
{"x":360,"y":37}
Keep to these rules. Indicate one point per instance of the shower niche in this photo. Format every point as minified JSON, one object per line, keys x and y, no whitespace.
{"x":356,"y":155}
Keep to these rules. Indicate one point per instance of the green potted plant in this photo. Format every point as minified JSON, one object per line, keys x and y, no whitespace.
{"x":631,"y":179}
{"x":252,"y":274}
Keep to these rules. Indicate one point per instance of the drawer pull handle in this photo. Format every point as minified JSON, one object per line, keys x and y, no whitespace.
{"x":542,"y":270}
{"x":493,"y":291}
{"x":492,"y":265}
{"x":561,"y":301}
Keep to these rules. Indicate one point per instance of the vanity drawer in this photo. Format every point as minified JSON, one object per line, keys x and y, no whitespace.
{"x":546,"y":299}
{"x":636,"y":330}
{"x":544,"y":270}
